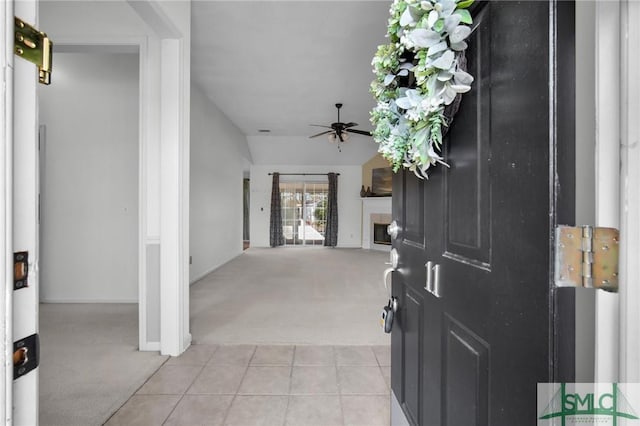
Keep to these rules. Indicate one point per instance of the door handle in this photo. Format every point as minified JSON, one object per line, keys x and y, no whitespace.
{"x":393,"y":302}
{"x":394,"y":258}
{"x":385,"y":279}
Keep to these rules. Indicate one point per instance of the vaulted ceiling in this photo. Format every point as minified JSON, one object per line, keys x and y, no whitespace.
{"x":282,"y":65}
{"x":277,"y":65}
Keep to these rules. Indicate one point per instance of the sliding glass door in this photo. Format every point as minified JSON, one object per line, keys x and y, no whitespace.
{"x":304,"y":212}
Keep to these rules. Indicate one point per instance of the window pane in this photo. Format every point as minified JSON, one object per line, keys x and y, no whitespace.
{"x":304,"y":212}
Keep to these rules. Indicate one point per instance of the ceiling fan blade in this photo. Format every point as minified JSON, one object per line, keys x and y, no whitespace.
{"x":360,"y":132}
{"x":351,"y":124}
{"x":320,"y":125}
{"x":320,"y":134}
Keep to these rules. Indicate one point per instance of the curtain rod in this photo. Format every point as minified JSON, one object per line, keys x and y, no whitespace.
{"x":304,"y":174}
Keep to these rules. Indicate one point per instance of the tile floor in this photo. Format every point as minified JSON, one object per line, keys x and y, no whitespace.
{"x":265,"y":385}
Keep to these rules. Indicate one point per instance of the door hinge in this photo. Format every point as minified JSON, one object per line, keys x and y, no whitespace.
{"x":587,"y":256}
{"x":35,"y":47}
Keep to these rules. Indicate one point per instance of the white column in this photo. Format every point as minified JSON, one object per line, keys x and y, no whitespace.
{"x":172,"y":294}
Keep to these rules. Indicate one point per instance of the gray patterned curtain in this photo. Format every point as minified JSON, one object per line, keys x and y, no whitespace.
{"x":331,"y":230}
{"x":276,"y":237}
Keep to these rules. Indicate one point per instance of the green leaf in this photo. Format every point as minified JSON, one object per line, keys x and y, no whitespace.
{"x":439,"y":25}
{"x":465,"y":4}
{"x":465,"y":16}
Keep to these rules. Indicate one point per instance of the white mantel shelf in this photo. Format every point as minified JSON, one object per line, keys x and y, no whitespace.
{"x":370,"y":206}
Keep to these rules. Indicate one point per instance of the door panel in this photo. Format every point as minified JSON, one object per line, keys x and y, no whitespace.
{"x":412,"y":315}
{"x":488,"y":337}
{"x":466,"y":376}
{"x":413,"y":212}
{"x":467,"y":192}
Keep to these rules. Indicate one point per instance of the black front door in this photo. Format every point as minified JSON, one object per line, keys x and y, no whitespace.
{"x":470,"y":348}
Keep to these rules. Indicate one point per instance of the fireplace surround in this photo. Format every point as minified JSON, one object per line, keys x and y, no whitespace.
{"x":375,"y":210}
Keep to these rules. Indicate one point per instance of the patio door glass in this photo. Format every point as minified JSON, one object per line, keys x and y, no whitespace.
{"x":304,"y":212}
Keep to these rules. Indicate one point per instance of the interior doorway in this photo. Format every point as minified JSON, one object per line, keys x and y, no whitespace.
{"x":246,"y":187}
{"x":89,"y":233}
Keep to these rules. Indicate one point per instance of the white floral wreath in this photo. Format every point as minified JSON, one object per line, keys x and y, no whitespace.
{"x":418,"y":74}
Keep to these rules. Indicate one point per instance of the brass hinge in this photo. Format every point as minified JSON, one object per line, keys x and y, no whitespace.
{"x":35,"y":47}
{"x":587,"y":256}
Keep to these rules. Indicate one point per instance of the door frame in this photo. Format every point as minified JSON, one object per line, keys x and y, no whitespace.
{"x":6,"y":209}
{"x":617,"y":333}
{"x":607,"y":161}
{"x":19,"y":213}
{"x":629,"y":36}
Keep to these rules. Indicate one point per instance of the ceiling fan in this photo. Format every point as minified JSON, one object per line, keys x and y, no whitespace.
{"x":339,"y":131}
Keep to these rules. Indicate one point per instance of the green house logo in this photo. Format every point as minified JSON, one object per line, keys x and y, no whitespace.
{"x":588,"y":404}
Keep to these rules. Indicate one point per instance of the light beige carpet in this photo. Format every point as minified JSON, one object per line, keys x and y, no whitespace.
{"x":319,"y":296}
{"x":89,"y":362}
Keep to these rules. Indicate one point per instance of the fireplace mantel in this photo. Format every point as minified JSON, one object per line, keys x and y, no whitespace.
{"x":372,"y":206}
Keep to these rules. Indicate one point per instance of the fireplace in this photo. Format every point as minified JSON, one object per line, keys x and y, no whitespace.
{"x":380,"y":235}
{"x":376,"y":214}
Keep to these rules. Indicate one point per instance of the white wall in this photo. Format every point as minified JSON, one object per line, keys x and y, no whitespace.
{"x":89,"y":224}
{"x":219,"y":153}
{"x":302,"y":150}
{"x":349,"y":203}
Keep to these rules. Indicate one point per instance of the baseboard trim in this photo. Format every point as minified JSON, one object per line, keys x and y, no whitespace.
{"x":150,"y":347}
{"x":210,"y":270}
{"x":79,"y":301}
{"x":188,"y":340}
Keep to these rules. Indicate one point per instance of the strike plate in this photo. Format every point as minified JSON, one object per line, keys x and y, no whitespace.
{"x":20,"y":270}
{"x":26,"y":355}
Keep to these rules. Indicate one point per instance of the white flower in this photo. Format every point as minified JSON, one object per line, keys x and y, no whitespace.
{"x":409,"y":126}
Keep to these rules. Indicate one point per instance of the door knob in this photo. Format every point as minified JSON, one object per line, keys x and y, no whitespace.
{"x":393,"y":229}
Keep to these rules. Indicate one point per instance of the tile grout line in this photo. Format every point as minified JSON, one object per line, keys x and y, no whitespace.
{"x":335,"y":360}
{"x":246,"y":368}
{"x":136,"y":391}
{"x":286,"y":410}
{"x":185,"y":392}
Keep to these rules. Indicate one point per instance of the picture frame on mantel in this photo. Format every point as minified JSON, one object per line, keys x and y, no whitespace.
{"x":381,"y":182}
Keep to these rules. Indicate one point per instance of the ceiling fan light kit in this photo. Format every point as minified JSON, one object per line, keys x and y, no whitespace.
{"x":339,"y":131}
